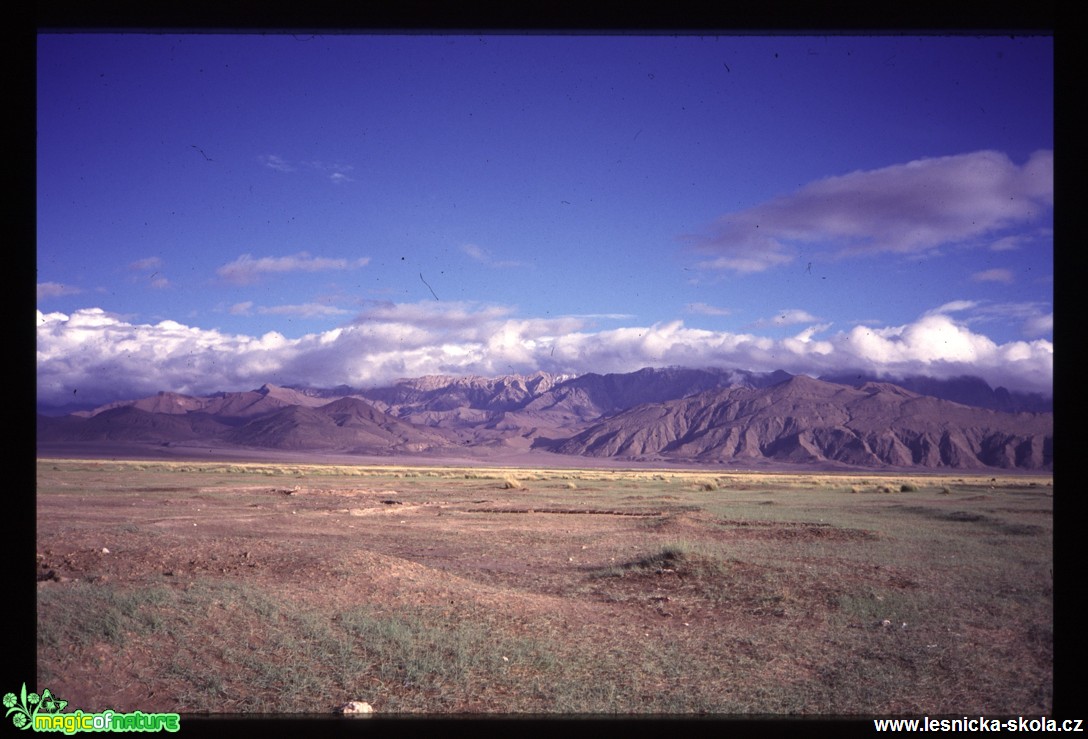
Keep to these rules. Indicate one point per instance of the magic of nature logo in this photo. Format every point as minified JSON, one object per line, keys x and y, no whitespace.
{"x":45,"y":712}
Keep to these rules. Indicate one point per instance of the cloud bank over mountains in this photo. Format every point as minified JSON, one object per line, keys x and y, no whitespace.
{"x":925,"y":208}
{"x":92,"y":356}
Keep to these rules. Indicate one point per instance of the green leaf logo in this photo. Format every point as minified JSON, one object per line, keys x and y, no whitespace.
{"x":26,"y":706}
{"x":51,"y":703}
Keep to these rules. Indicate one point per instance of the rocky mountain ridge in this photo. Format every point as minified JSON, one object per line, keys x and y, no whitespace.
{"x":682,"y":415}
{"x":804,"y":420}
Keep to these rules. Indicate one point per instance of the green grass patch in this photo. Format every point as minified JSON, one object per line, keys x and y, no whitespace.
{"x":82,"y":613}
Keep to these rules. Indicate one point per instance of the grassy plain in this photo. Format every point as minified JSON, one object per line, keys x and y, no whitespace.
{"x":286,"y":588}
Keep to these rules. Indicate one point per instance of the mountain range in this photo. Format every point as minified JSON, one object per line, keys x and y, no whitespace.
{"x":669,"y":415}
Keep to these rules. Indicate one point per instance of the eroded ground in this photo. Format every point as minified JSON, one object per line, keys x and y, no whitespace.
{"x":292,"y":588}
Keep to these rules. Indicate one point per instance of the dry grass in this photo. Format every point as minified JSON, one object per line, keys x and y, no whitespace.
{"x":448,"y":590}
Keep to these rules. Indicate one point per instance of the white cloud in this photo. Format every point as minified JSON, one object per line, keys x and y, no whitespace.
{"x":337,"y":173}
{"x":936,"y":345}
{"x":275,"y":162}
{"x":247,"y":269}
{"x":954,"y":306}
{"x":1008,"y":243}
{"x":604,"y":316}
{"x":475,"y":252}
{"x":790,"y":317}
{"x":451,"y":315}
{"x":704,"y":309}
{"x":146,"y":265}
{"x":483,"y":256}
{"x":305,"y":310}
{"x":152,"y":265}
{"x":55,"y":290}
{"x":913,"y":208}
{"x":803,"y":343}
{"x":107,"y":357}
{"x":1037,"y":326}
{"x":1035,"y":318}
{"x":994,"y":275}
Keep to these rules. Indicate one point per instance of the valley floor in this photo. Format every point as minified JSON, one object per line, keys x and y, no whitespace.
{"x":212,"y":586}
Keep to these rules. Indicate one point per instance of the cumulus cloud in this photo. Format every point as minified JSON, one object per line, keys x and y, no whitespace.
{"x":246,"y":269}
{"x":913,"y":208}
{"x":107,"y":357}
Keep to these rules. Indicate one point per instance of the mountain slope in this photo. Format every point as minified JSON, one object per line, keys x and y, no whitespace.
{"x":348,"y":424}
{"x":972,"y":391}
{"x":441,"y":393}
{"x":131,"y":424}
{"x":705,"y":416}
{"x":803,"y":420}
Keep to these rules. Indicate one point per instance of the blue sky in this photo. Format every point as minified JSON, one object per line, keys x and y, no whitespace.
{"x":219,"y":211}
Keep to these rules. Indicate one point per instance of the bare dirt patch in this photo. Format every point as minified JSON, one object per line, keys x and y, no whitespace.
{"x":212,"y":588}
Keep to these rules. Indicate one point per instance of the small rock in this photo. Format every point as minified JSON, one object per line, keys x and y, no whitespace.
{"x":105,"y":551}
{"x":885,"y":623}
{"x":356,"y":708}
